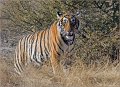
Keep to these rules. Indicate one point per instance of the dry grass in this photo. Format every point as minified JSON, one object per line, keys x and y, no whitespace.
{"x":79,"y":76}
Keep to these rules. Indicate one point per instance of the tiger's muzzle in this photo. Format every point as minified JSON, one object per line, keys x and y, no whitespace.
{"x":68,"y":37}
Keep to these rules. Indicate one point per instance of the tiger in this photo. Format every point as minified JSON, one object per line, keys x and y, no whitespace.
{"x":49,"y":44}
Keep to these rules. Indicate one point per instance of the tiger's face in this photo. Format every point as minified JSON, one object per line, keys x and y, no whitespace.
{"x":68,"y":26}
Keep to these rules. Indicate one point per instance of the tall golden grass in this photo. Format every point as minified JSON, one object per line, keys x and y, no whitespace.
{"x":106,"y":75}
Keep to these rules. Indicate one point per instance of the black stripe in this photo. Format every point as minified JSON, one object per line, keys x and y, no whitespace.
{"x":34,"y":56}
{"x":32,"y":41}
{"x":32,"y":44}
{"x":17,"y":66}
{"x":23,"y":53}
{"x":56,"y":50}
{"x":19,"y":48}
{"x":44,"y":38}
{"x":27,"y":43}
{"x":59,"y":46}
{"x":41,"y":43}
{"x":25,"y":47}
{"x":46,"y":50}
{"x":48,"y":40}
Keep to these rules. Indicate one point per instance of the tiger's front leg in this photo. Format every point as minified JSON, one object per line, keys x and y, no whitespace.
{"x":55,"y":62}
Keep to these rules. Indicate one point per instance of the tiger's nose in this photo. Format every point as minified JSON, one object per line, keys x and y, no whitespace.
{"x":70,"y":33}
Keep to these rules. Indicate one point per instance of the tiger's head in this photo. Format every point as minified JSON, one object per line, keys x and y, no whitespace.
{"x":68,"y":26}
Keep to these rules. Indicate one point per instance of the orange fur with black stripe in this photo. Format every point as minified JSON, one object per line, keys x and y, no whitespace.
{"x":49,"y":44}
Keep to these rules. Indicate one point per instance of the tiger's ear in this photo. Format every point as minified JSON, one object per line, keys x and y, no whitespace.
{"x":59,"y":14}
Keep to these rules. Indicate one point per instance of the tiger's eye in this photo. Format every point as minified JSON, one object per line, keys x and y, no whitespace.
{"x":73,"y":20}
{"x":65,"y":20}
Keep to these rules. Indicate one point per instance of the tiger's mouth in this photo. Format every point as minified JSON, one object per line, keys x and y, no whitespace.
{"x":68,"y":38}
